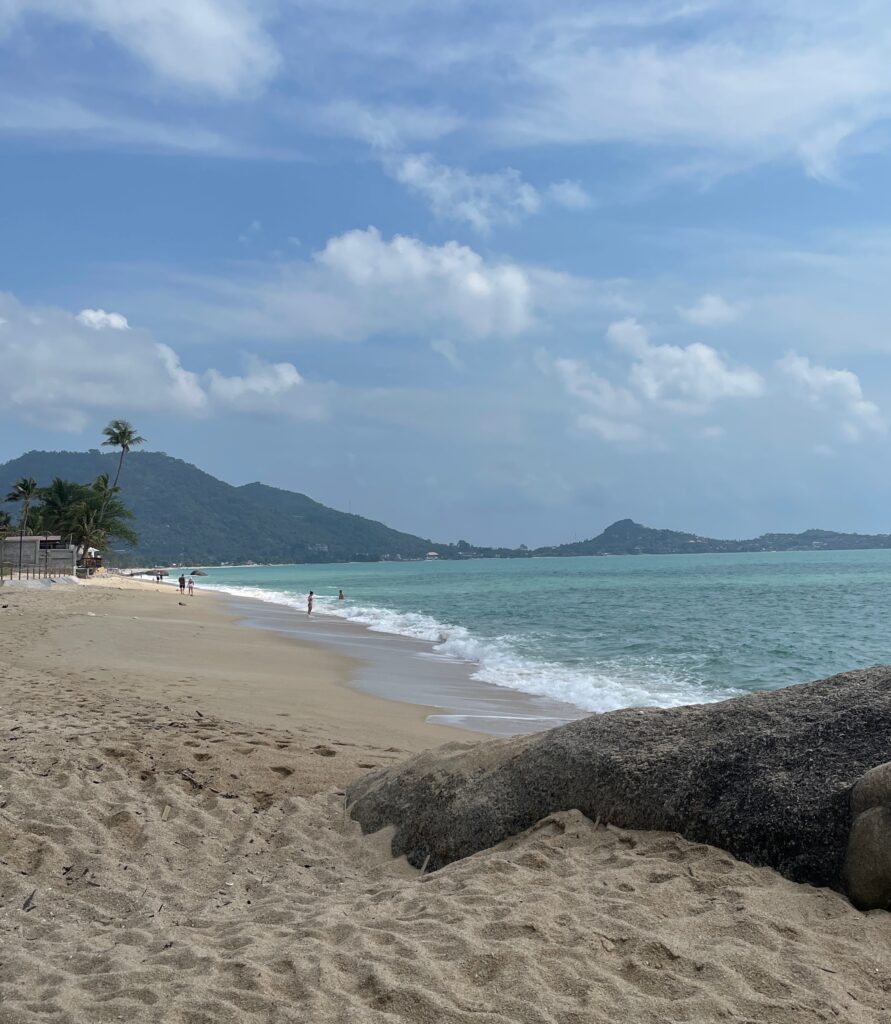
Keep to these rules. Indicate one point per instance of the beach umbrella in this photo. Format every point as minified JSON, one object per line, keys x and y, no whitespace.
{"x":197,"y":572}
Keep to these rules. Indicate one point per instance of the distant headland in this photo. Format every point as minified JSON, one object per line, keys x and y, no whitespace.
{"x":184,"y":515}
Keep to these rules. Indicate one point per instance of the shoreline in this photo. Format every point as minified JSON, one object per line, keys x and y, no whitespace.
{"x":173,"y":848}
{"x":202,"y":655}
{"x":399,"y":668}
{"x":406,"y":670}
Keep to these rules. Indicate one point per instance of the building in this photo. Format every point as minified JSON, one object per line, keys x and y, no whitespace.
{"x":46,"y":555}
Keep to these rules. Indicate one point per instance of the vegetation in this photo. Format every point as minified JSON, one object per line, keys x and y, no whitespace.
{"x":85,"y":515}
{"x":629,"y":538}
{"x":23,"y":490}
{"x":185,"y":516}
{"x":121,"y":434}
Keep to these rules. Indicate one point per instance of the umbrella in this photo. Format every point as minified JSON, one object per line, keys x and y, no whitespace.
{"x":197,"y":572}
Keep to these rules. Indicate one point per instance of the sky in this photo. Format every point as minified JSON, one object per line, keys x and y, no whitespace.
{"x":503,"y":272}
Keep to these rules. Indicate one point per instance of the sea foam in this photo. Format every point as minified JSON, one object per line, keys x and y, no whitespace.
{"x":498,"y":661}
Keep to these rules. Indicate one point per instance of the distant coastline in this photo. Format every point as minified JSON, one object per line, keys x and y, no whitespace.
{"x":183,"y":516}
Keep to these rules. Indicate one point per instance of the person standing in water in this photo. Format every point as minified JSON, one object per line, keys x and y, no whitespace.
{"x":340,"y":596}
{"x":309,"y":604}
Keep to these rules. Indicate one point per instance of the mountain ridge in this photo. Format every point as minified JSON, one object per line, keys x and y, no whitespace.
{"x":183,"y":514}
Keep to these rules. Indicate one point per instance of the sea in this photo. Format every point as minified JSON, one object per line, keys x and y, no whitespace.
{"x":600,"y":633}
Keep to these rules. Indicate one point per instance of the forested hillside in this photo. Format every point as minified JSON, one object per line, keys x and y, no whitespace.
{"x":182,"y":514}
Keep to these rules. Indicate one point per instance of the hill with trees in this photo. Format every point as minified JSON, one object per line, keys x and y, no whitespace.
{"x":626,"y":537}
{"x":181,"y":514}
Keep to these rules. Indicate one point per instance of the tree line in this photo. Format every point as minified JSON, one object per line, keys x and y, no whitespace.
{"x":85,"y":515}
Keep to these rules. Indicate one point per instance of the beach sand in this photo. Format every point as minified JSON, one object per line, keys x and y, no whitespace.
{"x":174,"y":847}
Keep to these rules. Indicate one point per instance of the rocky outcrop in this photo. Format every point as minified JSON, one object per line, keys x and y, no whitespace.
{"x":768,"y":777}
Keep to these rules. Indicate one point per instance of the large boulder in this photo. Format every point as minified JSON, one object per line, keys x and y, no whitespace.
{"x":768,"y":777}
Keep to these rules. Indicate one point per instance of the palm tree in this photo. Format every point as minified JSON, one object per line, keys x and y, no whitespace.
{"x":94,"y":518}
{"x":23,"y":490}
{"x":121,"y":434}
{"x":5,"y":529}
{"x":56,"y":500}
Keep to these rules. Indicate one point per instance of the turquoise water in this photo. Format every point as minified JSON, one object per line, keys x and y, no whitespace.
{"x":602,"y":633}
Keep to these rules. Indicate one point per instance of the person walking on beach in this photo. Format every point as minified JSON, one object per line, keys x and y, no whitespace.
{"x":309,"y":603}
{"x":182,"y":584}
{"x":191,"y":587}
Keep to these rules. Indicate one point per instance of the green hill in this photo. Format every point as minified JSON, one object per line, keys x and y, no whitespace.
{"x":182,"y":514}
{"x":629,"y":538}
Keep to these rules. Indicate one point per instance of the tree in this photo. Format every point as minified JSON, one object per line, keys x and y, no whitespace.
{"x":95,"y":516}
{"x":56,"y":502}
{"x":121,"y":434}
{"x":23,"y":490}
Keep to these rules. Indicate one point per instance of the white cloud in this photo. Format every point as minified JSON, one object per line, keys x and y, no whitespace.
{"x":361,"y":284}
{"x":838,"y":391}
{"x":481,"y":200}
{"x":709,"y":311}
{"x":687,"y":379}
{"x":569,"y":194}
{"x":57,"y":115}
{"x":220,"y":46}
{"x":99,"y":319}
{"x":387,"y":127}
{"x":611,"y":411}
{"x":759,"y":83}
{"x":265,"y":386}
{"x":59,"y":370}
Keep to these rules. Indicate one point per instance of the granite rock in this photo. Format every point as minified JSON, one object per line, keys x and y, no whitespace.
{"x":767,"y":777}
{"x":867,"y":872}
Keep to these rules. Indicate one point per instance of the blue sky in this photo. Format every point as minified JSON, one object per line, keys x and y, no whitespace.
{"x":504,"y":272}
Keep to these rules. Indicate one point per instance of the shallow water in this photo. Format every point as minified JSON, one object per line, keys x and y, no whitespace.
{"x":604,"y":633}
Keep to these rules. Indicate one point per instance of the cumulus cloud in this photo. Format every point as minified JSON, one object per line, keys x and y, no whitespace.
{"x":709,"y":311}
{"x":661,"y":380}
{"x":838,"y":391}
{"x":61,"y":369}
{"x":686,"y":379}
{"x":611,"y":411}
{"x":99,"y":319}
{"x":264,"y":386}
{"x":361,"y":284}
{"x":219,"y":46}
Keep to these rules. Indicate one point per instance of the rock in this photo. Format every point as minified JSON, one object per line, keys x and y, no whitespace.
{"x":867,"y":872}
{"x":872,"y":790}
{"x":767,"y":777}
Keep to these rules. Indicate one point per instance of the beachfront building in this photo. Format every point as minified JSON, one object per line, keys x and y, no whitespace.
{"x":46,"y":554}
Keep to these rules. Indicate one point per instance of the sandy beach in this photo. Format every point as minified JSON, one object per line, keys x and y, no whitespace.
{"x":174,"y":847}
